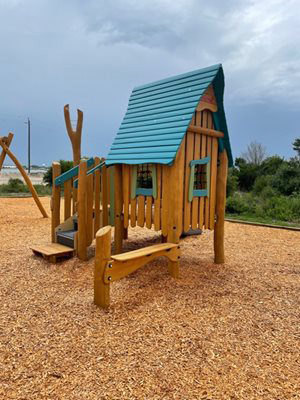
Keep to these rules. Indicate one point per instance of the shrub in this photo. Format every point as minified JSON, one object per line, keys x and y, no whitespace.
{"x":64,"y":165}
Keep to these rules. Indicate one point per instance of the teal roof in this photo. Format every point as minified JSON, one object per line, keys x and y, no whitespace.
{"x":159,"y":114}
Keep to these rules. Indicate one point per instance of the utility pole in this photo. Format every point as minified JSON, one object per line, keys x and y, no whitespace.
{"x":28,"y":134}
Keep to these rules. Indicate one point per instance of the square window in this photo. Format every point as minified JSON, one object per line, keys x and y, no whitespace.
{"x":200,"y":178}
{"x":144,"y":177}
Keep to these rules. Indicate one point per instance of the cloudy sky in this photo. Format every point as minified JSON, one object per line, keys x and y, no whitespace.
{"x":91,"y":53}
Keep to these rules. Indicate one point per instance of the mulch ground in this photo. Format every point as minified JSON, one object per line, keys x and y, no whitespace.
{"x":227,"y":331}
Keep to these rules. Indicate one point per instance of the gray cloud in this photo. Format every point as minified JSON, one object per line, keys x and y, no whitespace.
{"x":91,"y":53}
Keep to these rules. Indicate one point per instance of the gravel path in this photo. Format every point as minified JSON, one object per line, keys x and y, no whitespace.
{"x":219,"y":332}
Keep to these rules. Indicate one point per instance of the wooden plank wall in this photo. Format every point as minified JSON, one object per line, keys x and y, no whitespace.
{"x":200,"y":213}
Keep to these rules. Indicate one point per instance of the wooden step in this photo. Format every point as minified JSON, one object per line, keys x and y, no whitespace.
{"x":53,"y":252}
{"x":144,"y":252}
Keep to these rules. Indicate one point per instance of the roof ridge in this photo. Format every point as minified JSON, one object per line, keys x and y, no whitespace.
{"x":214,"y":67}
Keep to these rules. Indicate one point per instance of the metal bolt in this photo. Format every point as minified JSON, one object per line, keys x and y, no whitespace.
{"x":109,"y":265}
{"x":109,"y":278}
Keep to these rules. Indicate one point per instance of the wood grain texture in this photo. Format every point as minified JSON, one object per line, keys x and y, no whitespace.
{"x":102,"y":257}
{"x":25,"y":177}
{"x":149,"y":212}
{"x":189,"y":154}
{"x":213,"y":183}
{"x":67,"y":198}
{"x":7,"y":141}
{"x":141,"y":211}
{"x":97,"y":196}
{"x":89,"y":209}
{"x":55,"y":201}
{"x":82,"y":212}
{"x":157,"y":201}
{"x":119,"y":226}
{"x":126,"y":193}
{"x":220,"y":208}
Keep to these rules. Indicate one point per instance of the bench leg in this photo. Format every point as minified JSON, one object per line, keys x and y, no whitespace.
{"x":173,"y":267}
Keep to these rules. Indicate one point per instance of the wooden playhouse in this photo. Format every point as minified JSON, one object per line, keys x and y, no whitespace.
{"x":166,"y":170}
{"x":170,"y":156}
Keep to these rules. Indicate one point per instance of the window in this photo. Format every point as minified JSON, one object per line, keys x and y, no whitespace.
{"x":143,"y":180}
{"x":199,"y":178}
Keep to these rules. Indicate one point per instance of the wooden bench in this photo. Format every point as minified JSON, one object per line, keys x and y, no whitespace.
{"x":110,"y":268}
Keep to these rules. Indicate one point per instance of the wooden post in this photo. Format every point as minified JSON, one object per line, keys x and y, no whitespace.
{"x":75,"y":136}
{"x":55,"y":200}
{"x":26,"y":178}
{"x":220,"y":208}
{"x":67,"y":199}
{"x":103,"y":253}
{"x":82,"y":212}
{"x":7,"y":140}
{"x":119,"y":226}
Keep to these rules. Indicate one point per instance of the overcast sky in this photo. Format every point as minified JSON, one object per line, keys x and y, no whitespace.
{"x":91,"y":53}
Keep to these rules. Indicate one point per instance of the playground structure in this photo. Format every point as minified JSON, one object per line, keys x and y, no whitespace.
{"x":166,"y":169}
{"x":5,"y":142}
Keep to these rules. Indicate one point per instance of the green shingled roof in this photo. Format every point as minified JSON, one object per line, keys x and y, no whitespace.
{"x":159,"y":114}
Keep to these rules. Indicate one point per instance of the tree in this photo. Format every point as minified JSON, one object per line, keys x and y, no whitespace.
{"x":64,"y":165}
{"x":296,"y":146}
{"x":255,"y":153}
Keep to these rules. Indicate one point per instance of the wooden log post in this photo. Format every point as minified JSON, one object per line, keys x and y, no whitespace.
{"x":103,"y":254}
{"x":82,"y":212}
{"x":75,"y":136}
{"x":220,"y":208}
{"x":7,"y":140}
{"x":119,"y":225}
{"x":26,"y":178}
{"x":55,"y":201}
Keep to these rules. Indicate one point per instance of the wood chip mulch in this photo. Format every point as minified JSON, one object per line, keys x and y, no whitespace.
{"x":219,"y":332}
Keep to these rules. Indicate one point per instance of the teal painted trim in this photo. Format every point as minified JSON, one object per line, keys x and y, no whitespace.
{"x":91,"y":171}
{"x":71,"y":173}
{"x":203,"y":192}
{"x":133,"y":181}
{"x":191,"y":182}
{"x":112,"y":197}
{"x":214,"y":67}
{"x":201,"y":161}
{"x":144,"y":192}
{"x":217,"y":127}
{"x":200,"y":193}
{"x":135,"y":191}
{"x":99,"y":166}
{"x":154,"y":134}
{"x":208,"y":178}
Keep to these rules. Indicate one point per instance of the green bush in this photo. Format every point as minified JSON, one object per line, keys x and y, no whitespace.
{"x":14,"y":186}
{"x":64,"y":165}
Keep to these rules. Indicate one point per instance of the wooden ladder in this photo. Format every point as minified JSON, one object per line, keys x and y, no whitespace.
{"x":108,"y":268}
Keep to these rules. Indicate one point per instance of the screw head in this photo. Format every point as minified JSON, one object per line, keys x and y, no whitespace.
{"x":109,"y":265}
{"x":109,"y":278}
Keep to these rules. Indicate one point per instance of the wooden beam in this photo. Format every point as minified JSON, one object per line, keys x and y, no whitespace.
{"x":103,"y":254}
{"x":119,"y":226}
{"x":55,"y":200}
{"x":26,"y":178}
{"x":7,"y":140}
{"x":205,"y":131}
{"x":82,"y":212}
{"x":220,"y":208}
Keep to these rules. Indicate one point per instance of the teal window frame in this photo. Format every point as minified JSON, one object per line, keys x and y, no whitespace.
{"x":136,"y":191}
{"x":200,"y":192}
